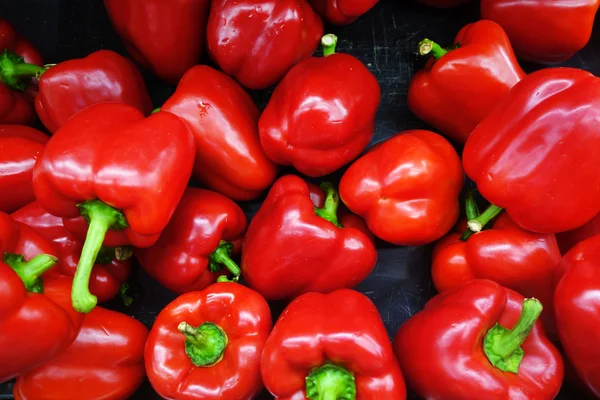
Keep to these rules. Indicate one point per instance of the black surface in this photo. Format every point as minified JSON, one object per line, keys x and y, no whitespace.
{"x":384,"y":39}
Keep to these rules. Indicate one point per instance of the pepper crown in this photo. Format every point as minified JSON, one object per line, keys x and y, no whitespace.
{"x":330,"y":207}
{"x":15,"y":72}
{"x":30,"y":271}
{"x":330,"y":382}
{"x":205,"y":344}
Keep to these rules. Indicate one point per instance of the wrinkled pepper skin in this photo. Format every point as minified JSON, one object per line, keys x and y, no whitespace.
{"x":204,"y":231}
{"x":460,"y":87}
{"x":164,"y":36}
{"x":441,"y":349}
{"x":108,"y":273}
{"x":224,"y":121}
{"x":544,"y":31}
{"x":289,"y":249}
{"x":443,"y":3}
{"x":258,"y":41}
{"x":498,"y":156}
{"x":322,"y":114}
{"x":414,"y":207}
{"x":341,"y":331}
{"x":20,"y":147}
{"x":567,"y":240}
{"x":235,"y":321}
{"x":342,"y":12}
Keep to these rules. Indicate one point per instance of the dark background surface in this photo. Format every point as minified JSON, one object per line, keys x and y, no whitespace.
{"x":385,"y":39}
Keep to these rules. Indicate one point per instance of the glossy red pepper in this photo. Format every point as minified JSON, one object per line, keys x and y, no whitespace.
{"x":119,"y":171}
{"x":208,"y":344}
{"x":544,"y":30}
{"x":523,"y":154}
{"x":109,"y":272}
{"x":443,"y":3}
{"x":196,"y":247}
{"x":224,"y":121}
{"x":460,"y":87}
{"x":20,"y":147}
{"x":567,"y":240}
{"x":106,"y":362}
{"x":480,"y":341}
{"x":406,"y":188}
{"x":258,"y":41}
{"x":291,"y":247}
{"x":322,"y":114}
{"x":342,"y":12}
{"x":331,"y":346}
{"x":165,"y":36}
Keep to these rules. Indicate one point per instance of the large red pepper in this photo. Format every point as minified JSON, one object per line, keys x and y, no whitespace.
{"x":567,"y":240}
{"x":224,"y":121}
{"x":119,"y":171}
{"x":20,"y":146}
{"x":331,"y":346}
{"x":109,"y":271}
{"x":105,"y":362}
{"x":196,"y":246}
{"x":208,"y":344}
{"x":480,"y":341}
{"x":406,"y":188}
{"x":523,"y":155}
{"x":292,"y":247}
{"x":342,"y":12}
{"x":322,"y":114}
{"x":460,"y":87}
{"x":258,"y":41}
{"x":544,"y":31}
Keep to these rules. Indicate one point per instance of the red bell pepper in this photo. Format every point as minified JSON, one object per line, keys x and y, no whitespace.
{"x":216,"y":353}
{"x":19,"y":148}
{"x":109,"y":271}
{"x":460,"y":87}
{"x":291,"y":247}
{"x":197,"y":244}
{"x":331,"y":346}
{"x":224,"y":121}
{"x":258,"y":41}
{"x":523,"y":154}
{"x":342,"y":12}
{"x":117,"y":170}
{"x":480,"y":341}
{"x":322,"y":114}
{"x":70,"y":86}
{"x":165,"y":36}
{"x":105,"y":362}
{"x":406,"y":188}
{"x":544,"y":30}
{"x":567,"y":240}
{"x":443,"y":3}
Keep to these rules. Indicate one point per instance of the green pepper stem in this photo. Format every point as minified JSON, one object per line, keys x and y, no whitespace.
{"x":329,"y":42}
{"x":429,"y":47}
{"x":222,"y":256}
{"x":332,"y":200}
{"x":15,"y":72}
{"x":477,"y":224}
{"x":30,"y":271}
{"x":471,"y":211}
{"x":157,"y":109}
{"x":330,"y":382}
{"x":205,"y":344}
{"x":125,"y":298}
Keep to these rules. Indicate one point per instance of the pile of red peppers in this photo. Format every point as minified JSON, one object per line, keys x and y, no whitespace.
{"x":97,"y":183}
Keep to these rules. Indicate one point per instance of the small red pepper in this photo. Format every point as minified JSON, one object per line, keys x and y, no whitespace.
{"x":406,"y":188}
{"x":331,"y":346}
{"x":459,"y":87}
{"x":224,"y":121}
{"x":291,"y":247}
{"x":443,"y":3}
{"x":197,"y":244}
{"x":165,"y":36}
{"x":480,"y":341}
{"x":119,"y":171}
{"x":258,"y":41}
{"x":322,"y":114}
{"x":105,"y":362}
{"x":208,"y":344}
{"x":523,"y":155}
{"x":567,"y":240}
{"x":544,"y":30}
{"x":342,"y":12}
{"x":20,"y":147}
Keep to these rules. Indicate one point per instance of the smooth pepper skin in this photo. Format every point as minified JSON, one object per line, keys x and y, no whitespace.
{"x":224,"y":121}
{"x":567,"y":240}
{"x":321,"y":115}
{"x":522,"y":155}
{"x":20,"y":147}
{"x":243,"y":319}
{"x":343,"y":328}
{"x":443,"y":3}
{"x":406,"y":188}
{"x":183,"y":258}
{"x":342,"y":12}
{"x":165,"y":36}
{"x":258,"y":41}
{"x":544,"y":31}
{"x":105,"y":362}
{"x":458,"y":90}
{"x":442,"y":354}
{"x":289,"y":249}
